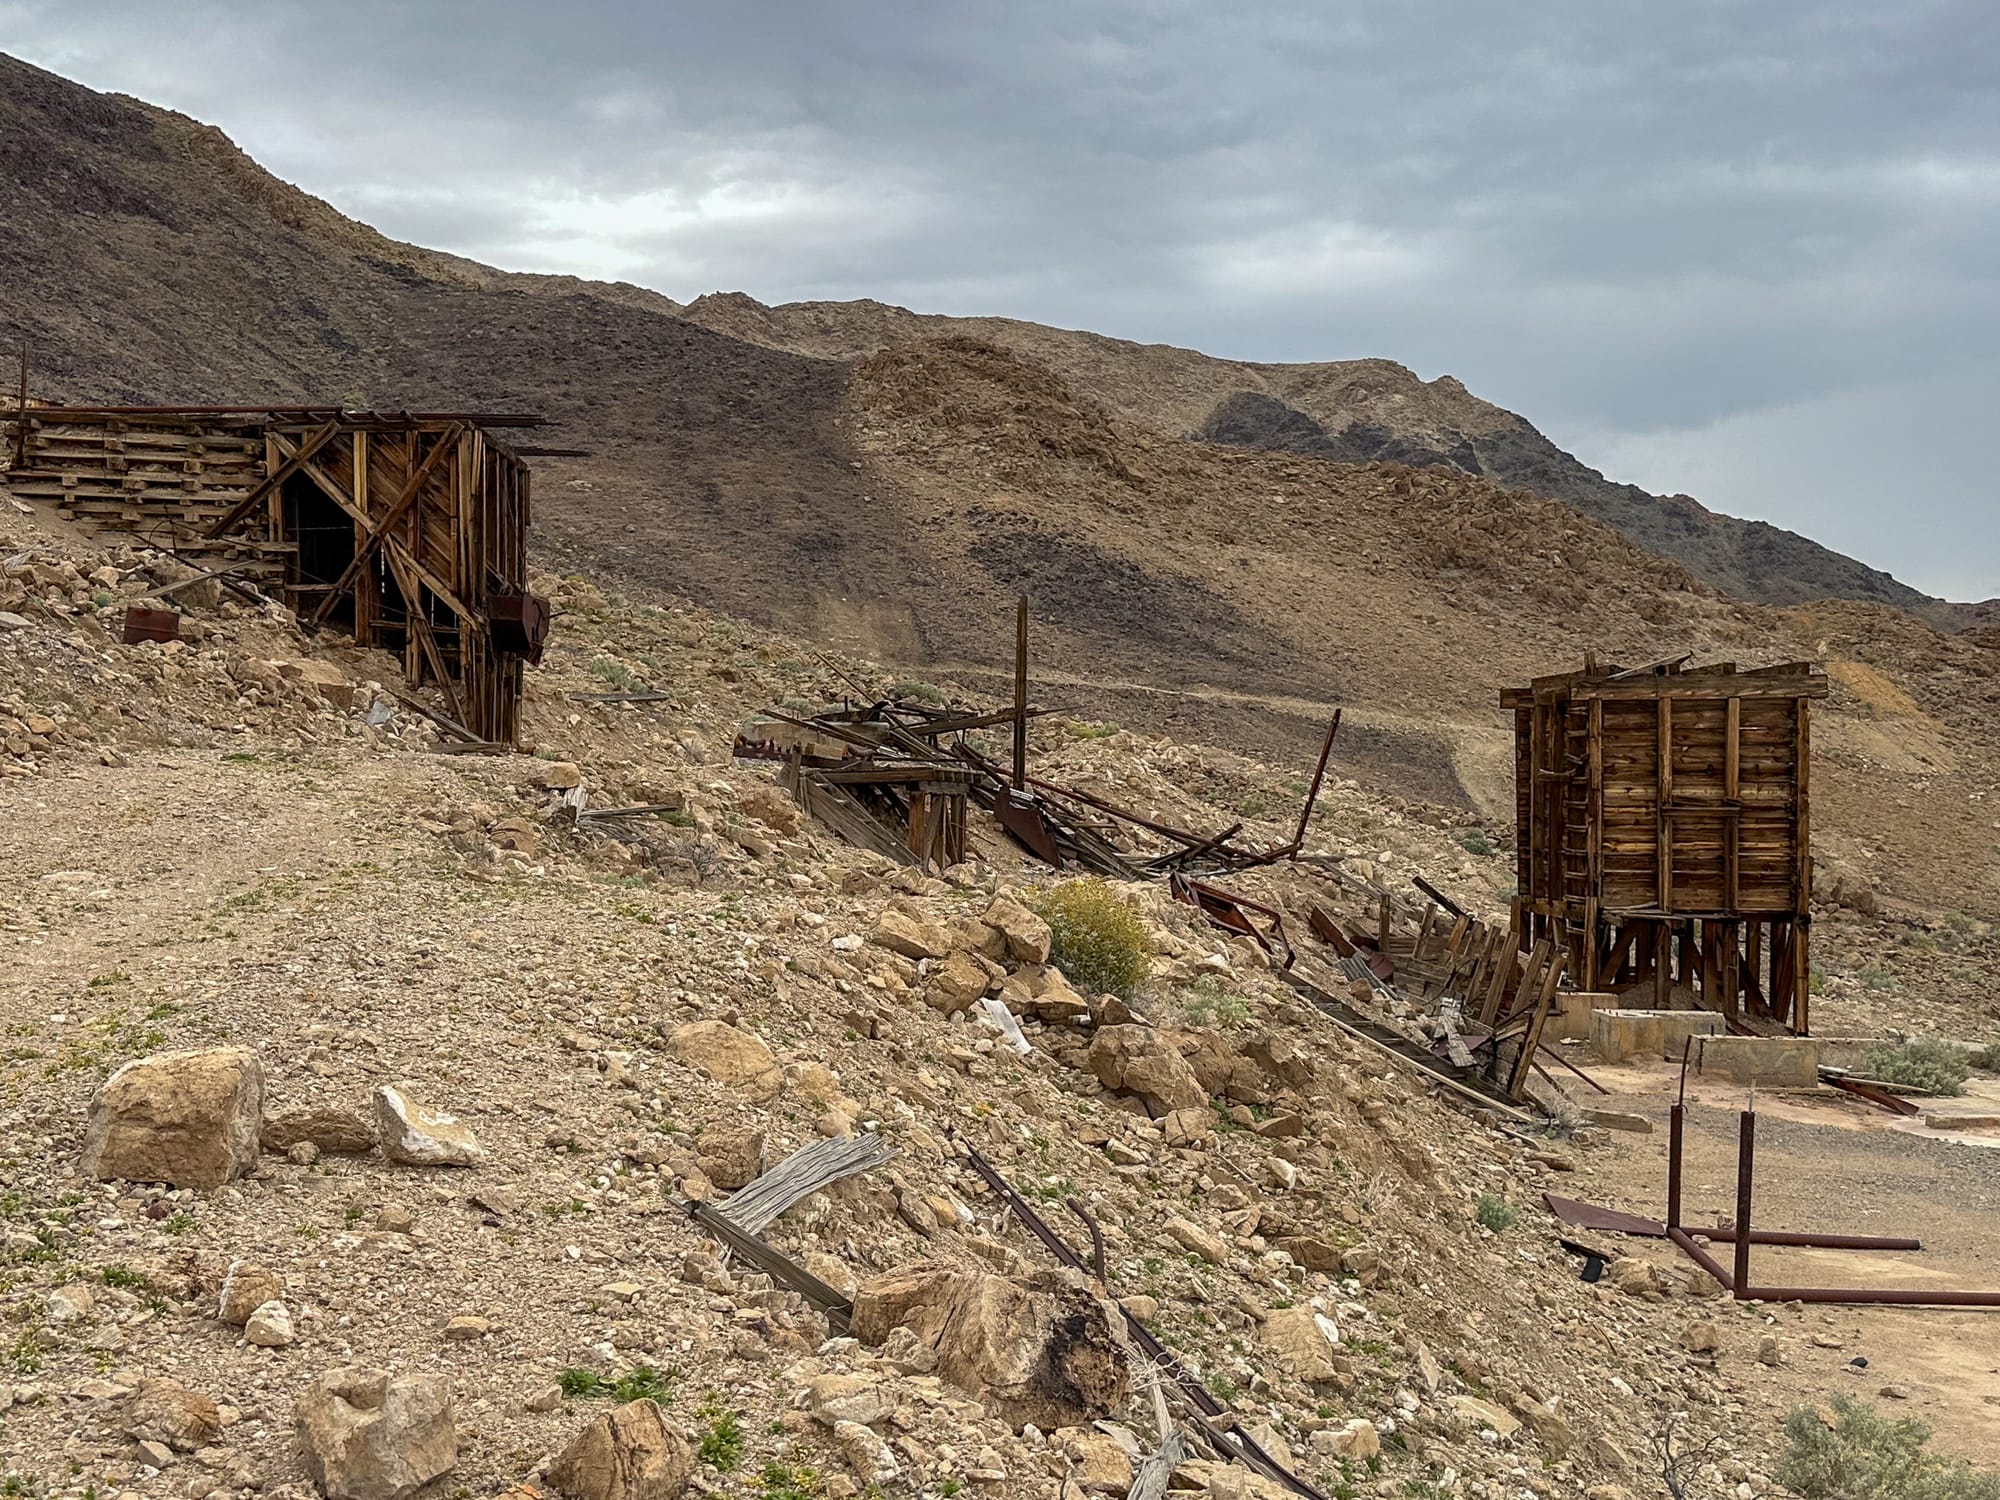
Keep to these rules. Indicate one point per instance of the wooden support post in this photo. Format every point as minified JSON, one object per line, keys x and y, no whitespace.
{"x":1665,"y":819}
{"x":21,"y":418}
{"x":1021,"y":695}
{"x":1800,"y":1019}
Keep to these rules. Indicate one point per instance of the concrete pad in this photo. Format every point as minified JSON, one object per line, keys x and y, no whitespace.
{"x":1616,"y":1035}
{"x":1618,"y":1119}
{"x":1771,"y":1062}
{"x":1569,"y":1020}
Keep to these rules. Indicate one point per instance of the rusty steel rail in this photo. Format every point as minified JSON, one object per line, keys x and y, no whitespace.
{"x":1736,"y":1279}
{"x":1210,"y":1414}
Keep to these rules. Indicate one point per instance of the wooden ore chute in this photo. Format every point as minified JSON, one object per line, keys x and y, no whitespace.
{"x":408,"y":531}
{"x":1664,"y":832}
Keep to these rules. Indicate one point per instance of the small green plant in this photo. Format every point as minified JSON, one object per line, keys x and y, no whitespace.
{"x":580,"y":1383}
{"x":615,"y":675}
{"x":1933,"y":1066}
{"x":180,"y":1222}
{"x":1474,"y":841}
{"x":1098,"y":937}
{"x":922,"y":692}
{"x":1876,"y":979}
{"x":783,"y":1482}
{"x":1496,"y":1213}
{"x":1861,"y":1455}
{"x":722,"y":1442}
{"x":643,"y":1383}
{"x":1207,"y":1003}
{"x":105,"y":981}
{"x":122,"y":1276}
{"x":1080,"y":729}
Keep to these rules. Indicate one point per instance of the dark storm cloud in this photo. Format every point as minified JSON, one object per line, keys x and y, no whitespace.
{"x":1684,"y":239}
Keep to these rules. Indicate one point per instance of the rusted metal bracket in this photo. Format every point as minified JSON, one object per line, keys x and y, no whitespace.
{"x":1231,"y":912}
{"x":1735,"y":1279}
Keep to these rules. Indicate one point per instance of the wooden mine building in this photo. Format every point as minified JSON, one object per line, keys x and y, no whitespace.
{"x":408,"y":531}
{"x":1664,"y":831}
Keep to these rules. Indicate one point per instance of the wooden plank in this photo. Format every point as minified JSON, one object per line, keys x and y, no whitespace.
{"x":378,"y":531}
{"x":277,"y":477}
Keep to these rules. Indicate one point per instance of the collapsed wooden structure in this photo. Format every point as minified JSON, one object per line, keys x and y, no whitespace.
{"x":1664,"y":831}
{"x":407,"y":530}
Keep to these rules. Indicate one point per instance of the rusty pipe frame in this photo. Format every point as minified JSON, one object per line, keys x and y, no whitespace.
{"x":1737,"y":1281}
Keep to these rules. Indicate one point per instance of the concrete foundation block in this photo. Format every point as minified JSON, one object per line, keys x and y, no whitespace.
{"x":1570,"y":1018}
{"x":1771,"y":1062}
{"x":1616,"y":1035}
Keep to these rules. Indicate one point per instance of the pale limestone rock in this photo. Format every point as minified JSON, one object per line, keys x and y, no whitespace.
{"x":165,"y":1411}
{"x":1138,"y":1060}
{"x":334,"y":1131}
{"x":910,"y":936}
{"x":368,"y":1435}
{"x":186,"y":1118}
{"x":627,"y":1454}
{"x":1027,"y":935}
{"x":416,"y":1135}
{"x":1052,"y":1358}
{"x":1301,"y":1339}
{"x":729,"y":1055}
{"x":269,"y":1326}
{"x":247,"y":1286}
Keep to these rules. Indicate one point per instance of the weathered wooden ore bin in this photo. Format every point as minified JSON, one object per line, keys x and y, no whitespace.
{"x":1664,"y":827}
{"x":407,"y":530}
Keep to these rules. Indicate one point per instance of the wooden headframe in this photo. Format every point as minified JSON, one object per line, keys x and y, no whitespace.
{"x":1664,"y":831}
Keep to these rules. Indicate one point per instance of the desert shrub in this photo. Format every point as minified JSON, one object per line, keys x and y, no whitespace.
{"x":1861,"y":1455}
{"x":921,"y":692}
{"x":1934,"y":1066}
{"x":1207,"y":1003}
{"x":1496,"y":1213}
{"x":1987,"y":1058}
{"x":1098,"y":938}
{"x":1476,"y":842}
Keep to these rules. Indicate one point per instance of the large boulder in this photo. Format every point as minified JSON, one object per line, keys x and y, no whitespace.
{"x":1028,"y":936}
{"x":729,"y":1055}
{"x":958,"y":983}
{"x":368,"y":1435}
{"x":1139,"y":1060}
{"x":627,"y":1454}
{"x":910,"y":936}
{"x":1050,"y":1356}
{"x":417,"y":1135}
{"x":186,"y":1118}
{"x":1304,"y":1342}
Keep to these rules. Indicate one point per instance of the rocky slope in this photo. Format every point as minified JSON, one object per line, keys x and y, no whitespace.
{"x":1349,"y":411}
{"x":240,"y":843}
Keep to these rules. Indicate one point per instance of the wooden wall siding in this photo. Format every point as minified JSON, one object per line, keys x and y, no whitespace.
{"x":1664,"y":829}
{"x":438,"y":509}
{"x":164,"y":480}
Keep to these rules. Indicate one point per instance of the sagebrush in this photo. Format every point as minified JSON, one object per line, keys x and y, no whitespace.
{"x":1850,"y":1451}
{"x":1098,"y":938}
{"x":1934,"y":1066}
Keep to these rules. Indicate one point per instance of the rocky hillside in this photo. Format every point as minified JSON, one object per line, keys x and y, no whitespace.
{"x":446,"y":1067}
{"x":1348,"y":411}
{"x":892,"y":506}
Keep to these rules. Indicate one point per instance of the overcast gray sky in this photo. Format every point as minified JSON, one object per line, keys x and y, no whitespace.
{"x":1750,"y":251}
